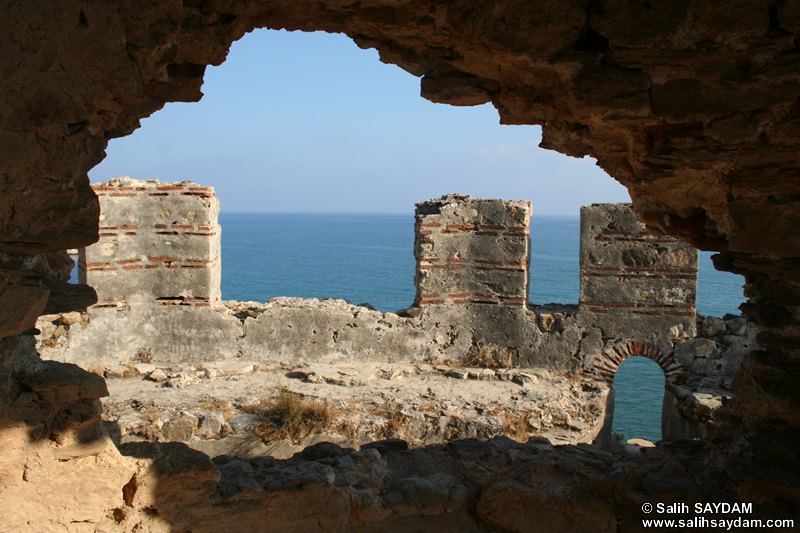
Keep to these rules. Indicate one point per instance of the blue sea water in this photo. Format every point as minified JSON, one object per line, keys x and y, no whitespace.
{"x":364,"y":258}
{"x":369,"y":258}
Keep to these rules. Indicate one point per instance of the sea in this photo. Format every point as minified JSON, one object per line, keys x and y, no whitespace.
{"x":369,"y":258}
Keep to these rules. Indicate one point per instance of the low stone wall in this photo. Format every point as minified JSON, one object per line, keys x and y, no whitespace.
{"x":296,"y":330}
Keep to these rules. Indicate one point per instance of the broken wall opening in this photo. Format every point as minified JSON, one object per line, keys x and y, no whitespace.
{"x":638,"y":399}
{"x":289,"y":107}
{"x":718,"y":292}
{"x":363,"y":258}
{"x":327,"y":101}
{"x":555,"y":259}
{"x":191,"y":160}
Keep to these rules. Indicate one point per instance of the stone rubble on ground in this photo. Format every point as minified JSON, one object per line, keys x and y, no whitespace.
{"x":435,"y":402}
{"x":388,"y":486}
{"x":419,"y":403}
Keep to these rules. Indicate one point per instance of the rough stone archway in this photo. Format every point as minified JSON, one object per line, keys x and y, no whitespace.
{"x":694,"y":106}
{"x":605,"y":366}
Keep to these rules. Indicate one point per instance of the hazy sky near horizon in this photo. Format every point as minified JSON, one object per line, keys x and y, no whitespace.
{"x":297,"y":122}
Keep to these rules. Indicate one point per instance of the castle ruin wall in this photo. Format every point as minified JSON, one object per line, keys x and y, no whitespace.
{"x":157,"y":273}
{"x":156,"y":270}
{"x":633,"y":283}
{"x":696,"y":115}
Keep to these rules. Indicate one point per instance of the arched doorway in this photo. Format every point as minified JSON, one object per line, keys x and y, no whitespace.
{"x":638,"y":399}
{"x":664,"y":369}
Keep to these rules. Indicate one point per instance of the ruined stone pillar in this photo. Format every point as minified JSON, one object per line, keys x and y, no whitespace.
{"x":157,"y":272}
{"x":472,"y":251}
{"x":472,"y":267}
{"x":634,"y":284}
{"x":159,"y":245}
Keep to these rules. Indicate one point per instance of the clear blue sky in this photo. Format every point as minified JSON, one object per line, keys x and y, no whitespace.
{"x":310,"y":122}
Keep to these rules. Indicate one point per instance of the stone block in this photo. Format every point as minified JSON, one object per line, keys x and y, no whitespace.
{"x":157,"y":375}
{"x":70,"y":318}
{"x":686,"y":352}
{"x":737,"y":326}
{"x":458,"y":373}
{"x":211,"y":423}
{"x":472,"y":251}
{"x":20,"y":306}
{"x":179,"y":429}
{"x":244,"y":423}
{"x":236,"y":367}
{"x":63,"y":383}
{"x":68,"y":296}
{"x":144,"y":368}
{"x":713,"y":326}
{"x":158,"y":240}
{"x":118,"y":371}
{"x":634,"y":283}
{"x":487,"y":373}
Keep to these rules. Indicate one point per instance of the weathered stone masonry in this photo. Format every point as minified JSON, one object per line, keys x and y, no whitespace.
{"x":157,"y":269}
{"x":159,"y":243}
{"x":628,"y":272}
{"x":693,"y":109}
{"x":637,"y":287}
{"x":157,"y":273}
{"x":472,"y":251}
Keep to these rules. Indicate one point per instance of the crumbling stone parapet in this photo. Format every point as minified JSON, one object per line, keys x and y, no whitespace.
{"x":157,"y":266}
{"x":472,"y":273}
{"x":472,"y":251}
{"x":635,"y":284}
{"x":159,"y":245}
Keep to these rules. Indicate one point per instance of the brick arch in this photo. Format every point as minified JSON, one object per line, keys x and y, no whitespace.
{"x":605,"y":367}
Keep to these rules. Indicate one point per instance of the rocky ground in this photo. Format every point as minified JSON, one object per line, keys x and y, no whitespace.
{"x":463,"y":485}
{"x":218,"y":408}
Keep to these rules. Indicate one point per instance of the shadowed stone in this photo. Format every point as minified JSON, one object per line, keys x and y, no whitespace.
{"x":64,"y":383}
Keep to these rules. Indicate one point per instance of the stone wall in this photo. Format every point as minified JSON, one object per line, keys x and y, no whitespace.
{"x":692,"y":109}
{"x":156,"y":269}
{"x":701,"y":406}
{"x":637,"y":287}
{"x":638,"y":292}
{"x":472,"y":252}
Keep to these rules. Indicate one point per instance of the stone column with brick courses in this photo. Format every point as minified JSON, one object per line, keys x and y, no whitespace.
{"x":472,"y":252}
{"x":159,"y":245}
{"x":635,"y":285}
{"x":157,"y":272}
{"x":472,"y":265}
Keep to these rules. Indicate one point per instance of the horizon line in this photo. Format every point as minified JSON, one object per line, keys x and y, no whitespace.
{"x":404,"y":213}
